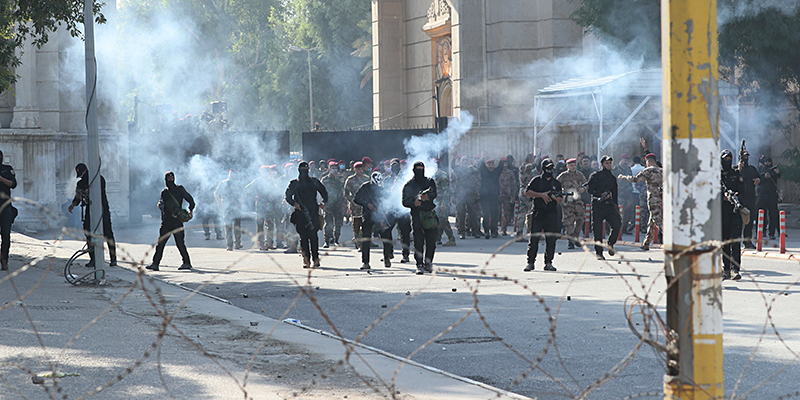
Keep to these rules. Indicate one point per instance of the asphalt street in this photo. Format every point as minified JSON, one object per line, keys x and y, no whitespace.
{"x":480,"y":316}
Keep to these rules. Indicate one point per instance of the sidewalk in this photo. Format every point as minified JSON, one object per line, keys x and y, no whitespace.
{"x":769,"y":248}
{"x":110,"y":337}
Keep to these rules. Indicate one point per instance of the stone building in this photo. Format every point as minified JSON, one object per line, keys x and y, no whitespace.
{"x":484,"y":57}
{"x":43,"y":133}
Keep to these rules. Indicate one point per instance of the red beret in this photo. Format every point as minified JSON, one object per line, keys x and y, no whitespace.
{"x":358,"y":164}
{"x":332,"y":163}
{"x":376,"y":169}
{"x":366,"y":160}
{"x":650,"y":155}
{"x":625,"y":156}
{"x":288,"y":165}
{"x":403,"y":161}
{"x":572,"y":160}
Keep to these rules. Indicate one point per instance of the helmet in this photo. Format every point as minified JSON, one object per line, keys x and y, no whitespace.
{"x":725,"y":154}
{"x":547,"y":164}
{"x":606,"y":158}
{"x":376,"y":178}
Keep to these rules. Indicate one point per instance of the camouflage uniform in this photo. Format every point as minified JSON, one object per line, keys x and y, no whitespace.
{"x":335,"y":209}
{"x":229,"y":196}
{"x":625,"y":196}
{"x":260,"y":190}
{"x":443,"y":207}
{"x":467,"y":194}
{"x":351,"y":186}
{"x":526,"y":173}
{"x":573,"y":211}
{"x":654,"y":178}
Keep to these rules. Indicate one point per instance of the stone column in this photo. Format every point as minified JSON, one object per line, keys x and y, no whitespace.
{"x":387,"y":62}
{"x":26,"y":111}
{"x":47,"y":77}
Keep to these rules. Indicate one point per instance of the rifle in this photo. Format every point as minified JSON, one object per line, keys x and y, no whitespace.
{"x":304,"y":210}
{"x":553,"y":193}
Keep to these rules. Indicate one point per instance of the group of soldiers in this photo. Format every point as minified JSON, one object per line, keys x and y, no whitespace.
{"x":542,"y":195}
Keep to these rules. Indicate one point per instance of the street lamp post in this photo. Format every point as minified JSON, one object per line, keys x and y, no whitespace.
{"x":310,"y":88}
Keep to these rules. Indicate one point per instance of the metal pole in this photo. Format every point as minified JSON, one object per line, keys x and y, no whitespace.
{"x":310,"y":91}
{"x":92,"y":141}
{"x":692,"y":199}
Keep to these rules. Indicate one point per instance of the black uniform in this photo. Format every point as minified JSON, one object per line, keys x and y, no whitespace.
{"x":490,"y":198}
{"x":8,"y":212}
{"x":170,"y":203}
{"x":304,"y":190}
{"x":82,"y":197}
{"x":748,"y":199}
{"x":731,"y":223}
{"x":602,"y":186}
{"x":424,"y":239}
{"x":767,"y":192}
{"x":370,"y":193}
{"x":545,"y":219}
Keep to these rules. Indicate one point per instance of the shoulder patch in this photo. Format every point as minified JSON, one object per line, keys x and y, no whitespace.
{"x":741,"y":179}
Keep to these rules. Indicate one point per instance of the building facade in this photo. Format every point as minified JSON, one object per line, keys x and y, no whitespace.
{"x":43,"y":130}
{"x":485,"y":57}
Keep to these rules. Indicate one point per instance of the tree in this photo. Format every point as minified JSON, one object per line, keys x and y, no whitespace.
{"x":35,"y":19}
{"x":333,"y":28}
{"x":757,"y":45}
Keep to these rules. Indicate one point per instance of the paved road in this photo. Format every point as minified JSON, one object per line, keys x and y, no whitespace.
{"x":501,"y":343}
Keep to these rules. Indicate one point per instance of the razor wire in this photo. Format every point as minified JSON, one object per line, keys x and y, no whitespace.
{"x":640,"y":313}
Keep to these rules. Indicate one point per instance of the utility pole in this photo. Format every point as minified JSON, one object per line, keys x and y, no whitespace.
{"x":92,"y":140}
{"x":692,"y":199}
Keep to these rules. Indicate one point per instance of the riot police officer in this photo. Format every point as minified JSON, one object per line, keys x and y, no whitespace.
{"x":8,"y":181}
{"x":732,"y":185}
{"x":602,"y":186}
{"x":546,"y":192}
{"x":82,"y":198}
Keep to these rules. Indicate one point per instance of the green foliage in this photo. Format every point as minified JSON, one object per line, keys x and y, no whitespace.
{"x":332,"y":28}
{"x":35,"y":19}
{"x":762,"y":49}
{"x":246,"y":44}
{"x":760,"y":45}
{"x":631,"y":26}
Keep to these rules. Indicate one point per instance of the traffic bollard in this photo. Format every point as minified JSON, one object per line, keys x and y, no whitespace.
{"x":783,"y":232}
{"x":760,"y":234}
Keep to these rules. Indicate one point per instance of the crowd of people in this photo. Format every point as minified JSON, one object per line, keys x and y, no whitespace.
{"x":543,"y":197}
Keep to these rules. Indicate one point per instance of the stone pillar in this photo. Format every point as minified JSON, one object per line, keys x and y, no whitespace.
{"x":388,"y":86}
{"x":26,"y":111}
{"x":39,"y":173}
{"x":47,"y":76}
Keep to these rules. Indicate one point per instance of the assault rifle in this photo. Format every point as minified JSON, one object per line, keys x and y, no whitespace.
{"x":732,"y":198}
{"x":553,"y":193}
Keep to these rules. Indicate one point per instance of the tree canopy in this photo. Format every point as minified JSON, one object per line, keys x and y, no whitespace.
{"x":35,"y":19}
{"x":238,"y":51}
{"x":757,"y":43}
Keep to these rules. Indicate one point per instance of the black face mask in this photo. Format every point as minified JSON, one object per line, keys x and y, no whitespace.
{"x":547,"y":173}
{"x":303,"y":173}
{"x":395,"y":169}
{"x":419,"y":173}
{"x":727,"y":164}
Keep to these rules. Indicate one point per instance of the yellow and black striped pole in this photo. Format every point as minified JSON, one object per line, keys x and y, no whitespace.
{"x":692,"y":198}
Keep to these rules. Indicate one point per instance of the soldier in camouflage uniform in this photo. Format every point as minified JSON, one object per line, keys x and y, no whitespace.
{"x":229,"y":197}
{"x":443,"y":207}
{"x":526,"y":172}
{"x":335,"y":209}
{"x":351,"y":186}
{"x":509,"y":184}
{"x":653,"y":176}
{"x":625,"y":193}
{"x":573,"y":211}
{"x":258,"y":191}
{"x":467,"y":196}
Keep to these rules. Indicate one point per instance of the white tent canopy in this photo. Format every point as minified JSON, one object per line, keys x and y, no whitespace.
{"x":645,"y":84}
